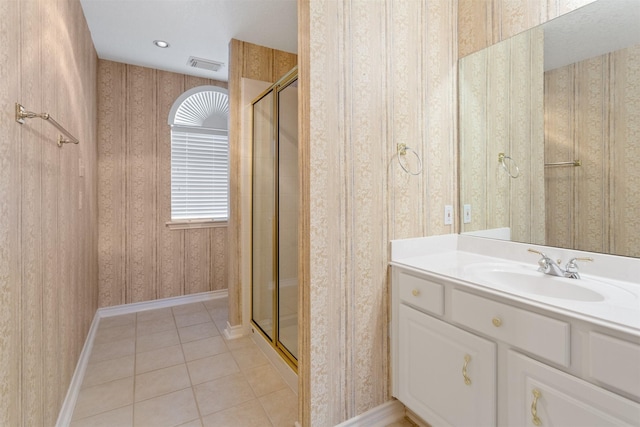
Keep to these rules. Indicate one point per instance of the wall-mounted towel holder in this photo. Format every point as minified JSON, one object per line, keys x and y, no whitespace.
{"x":22,"y":114}
{"x":402,"y":151}
{"x":502,"y":160}
{"x":571,"y":163}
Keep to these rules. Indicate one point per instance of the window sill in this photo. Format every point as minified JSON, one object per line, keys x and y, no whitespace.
{"x":185,"y":225}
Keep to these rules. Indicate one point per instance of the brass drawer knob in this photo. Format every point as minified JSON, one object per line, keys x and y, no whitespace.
{"x":497,"y":322}
{"x":415,"y":292}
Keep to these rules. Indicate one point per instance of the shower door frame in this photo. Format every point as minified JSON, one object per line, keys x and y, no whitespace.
{"x":284,"y":82}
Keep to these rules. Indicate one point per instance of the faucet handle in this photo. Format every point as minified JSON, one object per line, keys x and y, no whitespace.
{"x":571,"y":264}
{"x":537,"y":252}
{"x":543,"y":263}
{"x":571,"y":270}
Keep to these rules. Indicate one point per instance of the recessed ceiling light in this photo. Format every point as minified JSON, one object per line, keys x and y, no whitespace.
{"x":161,"y":43}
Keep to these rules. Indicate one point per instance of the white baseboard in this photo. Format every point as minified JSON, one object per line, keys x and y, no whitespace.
{"x":136,"y":307}
{"x":69,"y":404}
{"x":234,"y":332}
{"x":380,"y":416}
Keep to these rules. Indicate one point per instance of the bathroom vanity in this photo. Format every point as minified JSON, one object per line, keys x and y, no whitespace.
{"x":480,"y":337}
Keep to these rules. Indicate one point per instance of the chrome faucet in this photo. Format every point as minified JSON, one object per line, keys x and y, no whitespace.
{"x":549,"y":266}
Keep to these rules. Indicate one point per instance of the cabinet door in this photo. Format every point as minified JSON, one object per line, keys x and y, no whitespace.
{"x":541,"y":395}
{"x":435,"y":359}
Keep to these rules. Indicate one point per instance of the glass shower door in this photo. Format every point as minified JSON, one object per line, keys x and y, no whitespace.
{"x":288,"y":218}
{"x":264,"y":216}
{"x":274,"y":289}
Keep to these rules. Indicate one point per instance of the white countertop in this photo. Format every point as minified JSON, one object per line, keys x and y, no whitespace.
{"x":455,"y":256}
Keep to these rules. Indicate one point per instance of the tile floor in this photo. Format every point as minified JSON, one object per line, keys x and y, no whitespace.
{"x":172,"y":367}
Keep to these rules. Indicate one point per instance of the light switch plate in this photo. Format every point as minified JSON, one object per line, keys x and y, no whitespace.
{"x":448,"y":215}
{"x":466,"y":214}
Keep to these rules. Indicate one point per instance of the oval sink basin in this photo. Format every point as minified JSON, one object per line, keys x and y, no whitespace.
{"x":522,"y":279}
{"x":545,"y":285}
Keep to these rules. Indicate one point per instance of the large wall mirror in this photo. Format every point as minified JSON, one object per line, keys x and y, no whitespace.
{"x":550,"y":133}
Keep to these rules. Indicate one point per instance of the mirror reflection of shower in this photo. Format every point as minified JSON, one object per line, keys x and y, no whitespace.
{"x":275,"y":216}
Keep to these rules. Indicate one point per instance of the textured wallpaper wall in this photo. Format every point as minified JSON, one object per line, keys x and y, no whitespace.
{"x":378,"y":73}
{"x":48,"y":206}
{"x":140,"y":259}
{"x":373,"y":74}
{"x":592,"y":114}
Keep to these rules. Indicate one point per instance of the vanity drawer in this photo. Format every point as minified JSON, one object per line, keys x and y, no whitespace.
{"x":421,"y":293}
{"x":615,"y":362}
{"x":532,"y":332}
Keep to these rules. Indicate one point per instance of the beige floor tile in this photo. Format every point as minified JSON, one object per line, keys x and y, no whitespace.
{"x":161,"y":381}
{"x":264,"y":379}
{"x":152,"y":326}
{"x":121,"y":417}
{"x":156,"y":314}
{"x":114,"y":333}
{"x":239,"y":343}
{"x":281,"y":407}
{"x":249,"y":414}
{"x":221,"y":324}
{"x":194,"y":423}
{"x":217,"y":303}
{"x":121,"y":320}
{"x":167,"y":410}
{"x":112,"y":350}
{"x":198,"y":332}
{"x":189,"y":319}
{"x":158,"y":359}
{"x":203,"y":348}
{"x":222,"y":393}
{"x":188,"y":308}
{"x":212,"y":367}
{"x":104,"y":397}
{"x":157,"y":340}
{"x":108,"y":370}
{"x":249,"y":357}
{"x":219,"y":314}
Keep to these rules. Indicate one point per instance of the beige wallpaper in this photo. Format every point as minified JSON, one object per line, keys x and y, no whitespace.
{"x":373,"y":74}
{"x":48,"y":206}
{"x":140,"y":259}
{"x":592,"y":114}
{"x":376,"y":74}
{"x":501,"y":111}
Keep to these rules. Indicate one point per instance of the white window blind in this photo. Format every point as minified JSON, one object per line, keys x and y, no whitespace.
{"x":199,"y":174}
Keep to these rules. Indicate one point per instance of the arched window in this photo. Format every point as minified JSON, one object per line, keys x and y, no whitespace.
{"x":200,"y":155}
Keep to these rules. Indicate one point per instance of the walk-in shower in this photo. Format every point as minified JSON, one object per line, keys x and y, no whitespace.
{"x":274,"y":290}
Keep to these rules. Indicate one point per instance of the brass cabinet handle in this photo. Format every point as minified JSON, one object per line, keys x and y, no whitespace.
{"x":467,"y":359}
{"x":415,"y":292}
{"x":497,"y":322}
{"x":534,"y":407}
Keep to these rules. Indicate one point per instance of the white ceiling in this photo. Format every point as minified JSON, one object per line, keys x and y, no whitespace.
{"x":124,"y":30}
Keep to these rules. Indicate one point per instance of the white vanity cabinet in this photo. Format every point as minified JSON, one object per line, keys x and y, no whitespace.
{"x":539,"y":395}
{"x":448,"y":376}
{"x":524,"y":367}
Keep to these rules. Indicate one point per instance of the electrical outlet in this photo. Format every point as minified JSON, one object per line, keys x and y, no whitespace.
{"x":448,"y":215}
{"x":466,"y":215}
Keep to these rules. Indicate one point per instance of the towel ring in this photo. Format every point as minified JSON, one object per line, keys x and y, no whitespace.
{"x":501,"y":160}
{"x":402,"y":151}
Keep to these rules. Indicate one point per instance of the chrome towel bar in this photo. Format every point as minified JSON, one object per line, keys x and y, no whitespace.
{"x":571,"y":163}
